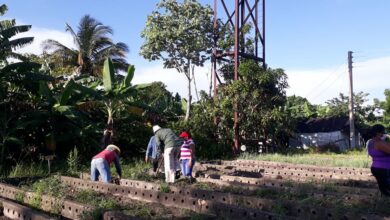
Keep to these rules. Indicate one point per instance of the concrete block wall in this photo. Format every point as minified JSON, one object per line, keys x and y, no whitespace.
{"x":67,"y":208}
{"x":169,"y":199}
{"x":249,"y":202}
{"x":274,"y":172}
{"x":291,"y":165}
{"x":116,"y":215}
{"x":14,"y":210}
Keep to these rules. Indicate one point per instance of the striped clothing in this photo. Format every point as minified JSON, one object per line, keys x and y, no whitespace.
{"x":185,"y":150}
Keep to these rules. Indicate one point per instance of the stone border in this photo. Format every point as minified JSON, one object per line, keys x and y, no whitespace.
{"x":69,"y":209}
{"x":266,"y":205}
{"x":177,"y":200}
{"x":290,"y":172}
{"x":14,"y":210}
{"x":292,"y":165}
{"x":280,"y":184}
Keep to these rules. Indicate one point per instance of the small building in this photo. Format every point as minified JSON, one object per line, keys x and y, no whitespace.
{"x":319,"y":132}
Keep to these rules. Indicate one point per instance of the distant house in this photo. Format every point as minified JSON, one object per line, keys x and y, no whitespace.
{"x":317,"y":132}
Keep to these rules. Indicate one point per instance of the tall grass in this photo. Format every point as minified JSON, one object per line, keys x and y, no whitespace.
{"x":355,"y":158}
{"x":30,"y":169}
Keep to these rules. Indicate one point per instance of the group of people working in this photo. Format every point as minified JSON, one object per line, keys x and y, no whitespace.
{"x":173,"y":149}
{"x":165,"y":146}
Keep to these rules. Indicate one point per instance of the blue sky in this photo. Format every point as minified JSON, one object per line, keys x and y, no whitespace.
{"x":307,"y":38}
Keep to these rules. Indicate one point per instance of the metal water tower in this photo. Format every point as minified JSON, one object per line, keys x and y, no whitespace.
{"x":243,"y":13}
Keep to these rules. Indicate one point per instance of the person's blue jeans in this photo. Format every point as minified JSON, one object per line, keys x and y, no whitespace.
{"x":187,"y":171}
{"x":100,"y":166}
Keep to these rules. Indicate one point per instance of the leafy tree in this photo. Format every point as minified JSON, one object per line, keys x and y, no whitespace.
{"x":339,"y":106}
{"x":52,"y":64}
{"x":385,"y":107}
{"x":300,"y":107}
{"x":93,"y":47}
{"x":211,"y":140}
{"x":260,"y":98}
{"x":160,"y":101}
{"x":8,"y":42}
{"x":179,"y":34}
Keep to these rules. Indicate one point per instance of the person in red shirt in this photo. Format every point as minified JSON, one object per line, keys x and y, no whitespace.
{"x":100,"y":164}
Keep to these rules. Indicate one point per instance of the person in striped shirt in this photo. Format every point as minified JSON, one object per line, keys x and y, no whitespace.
{"x":187,"y":155}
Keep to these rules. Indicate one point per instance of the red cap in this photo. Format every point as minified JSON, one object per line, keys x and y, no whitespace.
{"x":184,"y":134}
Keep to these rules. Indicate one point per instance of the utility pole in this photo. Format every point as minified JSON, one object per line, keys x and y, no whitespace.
{"x":352,"y":138}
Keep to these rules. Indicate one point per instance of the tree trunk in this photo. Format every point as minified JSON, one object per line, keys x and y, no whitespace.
{"x":188,"y":100}
{"x":110,"y":119}
{"x":193,"y":78}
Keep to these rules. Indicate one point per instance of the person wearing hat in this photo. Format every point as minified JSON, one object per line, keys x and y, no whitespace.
{"x":166,"y":138}
{"x":187,"y":155}
{"x":100,"y":164}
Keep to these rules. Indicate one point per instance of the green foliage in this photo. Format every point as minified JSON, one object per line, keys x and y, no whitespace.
{"x":8,"y":42}
{"x":260,"y":97}
{"x":339,"y":106}
{"x":95,"y":199}
{"x":356,"y":158}
{"x":180,"y":37}
{"x":136,"y":170}
{"x":142,"y":212}
{"x":211,"y":141}
{"x":51,"y":186}
{"x":30,"y":169}
{"x":164,"y":187}
{"x":19,"y":196}
{"x":160,"y":102}
{"x":108,"y":75}
{"x":93,"y":46}
{"x":100,"y":201}
{"x":73,"y":162}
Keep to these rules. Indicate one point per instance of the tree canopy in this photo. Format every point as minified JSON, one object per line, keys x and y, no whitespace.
{"x":93,"y":46}
{"x":179,"y":34}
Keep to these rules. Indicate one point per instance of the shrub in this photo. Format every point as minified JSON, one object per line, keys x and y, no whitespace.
{"x":73,"y":161}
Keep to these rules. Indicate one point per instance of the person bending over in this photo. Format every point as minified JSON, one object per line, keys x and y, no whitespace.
{"x":100,"y":164}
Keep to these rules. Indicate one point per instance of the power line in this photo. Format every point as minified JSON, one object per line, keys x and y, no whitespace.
{"x":322,"y":91}
{"x":322,"y":82}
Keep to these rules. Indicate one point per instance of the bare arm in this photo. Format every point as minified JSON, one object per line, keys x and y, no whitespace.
{"x":382,"y":146}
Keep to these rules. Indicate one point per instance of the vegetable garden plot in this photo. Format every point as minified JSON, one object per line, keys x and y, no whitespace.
{"x":294,"y":204}
{"x":142,"y":192}
{"x":293,"y":166}
{"x":300,"y":176}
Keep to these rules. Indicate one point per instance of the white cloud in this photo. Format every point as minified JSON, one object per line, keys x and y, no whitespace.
{"x":41,"y":34}
{"x":318,"y":85}
{"x":371,"y":76}
{"x":175,"y":81}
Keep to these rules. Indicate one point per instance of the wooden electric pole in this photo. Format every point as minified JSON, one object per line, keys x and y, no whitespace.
{"x":352,"y":138}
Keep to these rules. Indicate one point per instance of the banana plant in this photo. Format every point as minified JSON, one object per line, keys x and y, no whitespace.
{"x":118,"y":92}
{"x":58,"y":116}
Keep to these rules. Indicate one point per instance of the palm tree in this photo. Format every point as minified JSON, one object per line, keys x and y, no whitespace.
{"x":93,"y":47}
{"x":8,"y":29}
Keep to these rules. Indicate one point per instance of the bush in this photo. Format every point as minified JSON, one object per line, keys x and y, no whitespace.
{"x":73,"y":162}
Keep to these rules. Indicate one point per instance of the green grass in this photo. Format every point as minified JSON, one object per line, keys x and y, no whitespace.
{"x":356,"y":158}
{"x":135,"y":170}
{"x":31,"y":169}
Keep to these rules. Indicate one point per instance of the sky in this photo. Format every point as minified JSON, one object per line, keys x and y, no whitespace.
{"x":308,"y":39}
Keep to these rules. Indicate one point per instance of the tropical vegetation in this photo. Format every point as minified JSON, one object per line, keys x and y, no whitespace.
{"x":46,"y":112}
